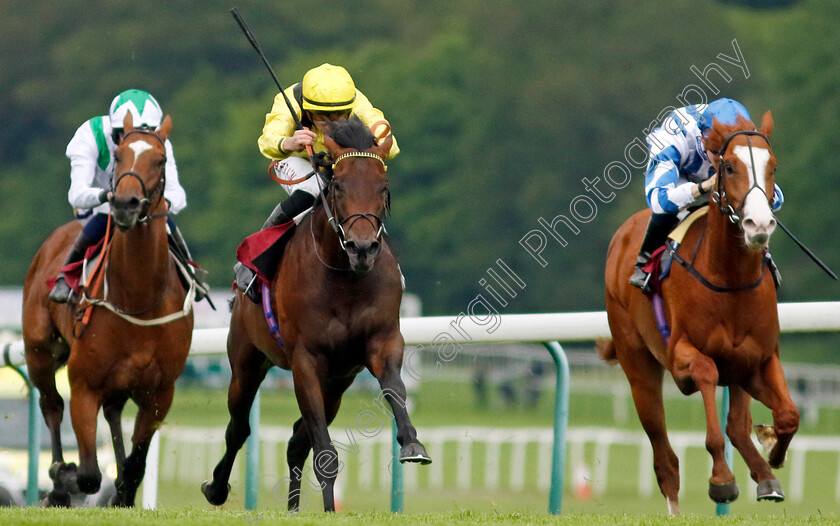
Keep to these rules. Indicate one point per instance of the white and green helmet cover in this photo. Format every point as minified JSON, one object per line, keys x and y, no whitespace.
{"x":145,"y":110}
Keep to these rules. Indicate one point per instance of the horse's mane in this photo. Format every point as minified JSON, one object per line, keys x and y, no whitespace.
{"x":353,"y":133}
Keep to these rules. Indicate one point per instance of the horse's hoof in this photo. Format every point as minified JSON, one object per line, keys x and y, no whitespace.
{"x":56,"y":499}
{"x":414,"y":452}
{"x":723,"y":493}
{"x":58,"y":470}
{"x":216,"y":498}
{"x":770,"y":489}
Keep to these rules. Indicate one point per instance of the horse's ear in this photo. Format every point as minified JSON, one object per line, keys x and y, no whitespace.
{"x":713,"y":139}
{"x":385,"y":146}
{"x":767,"y":124}
{"x":128,"y":122}
{"x":164,"y":128}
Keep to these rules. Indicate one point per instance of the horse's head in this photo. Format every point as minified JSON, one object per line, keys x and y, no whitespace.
{"x":746,"y":171}
{"x":139,"y":176}
{"x":358,"y":191}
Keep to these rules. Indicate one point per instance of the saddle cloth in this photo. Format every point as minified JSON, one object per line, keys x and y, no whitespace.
{"x":261,"y":251}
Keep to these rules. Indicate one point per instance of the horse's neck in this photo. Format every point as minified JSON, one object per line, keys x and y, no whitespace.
{"x":138,"y":264}
{"x":725,"y":253}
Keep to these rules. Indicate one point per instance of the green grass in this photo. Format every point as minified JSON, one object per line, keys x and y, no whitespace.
{"x":202,"y":517}
{"x":441,"y":403}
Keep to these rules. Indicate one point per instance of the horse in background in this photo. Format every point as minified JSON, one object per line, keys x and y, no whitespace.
{"x":722,"y":313}
{"x":131,"y":344}
{"x":336,"y":294}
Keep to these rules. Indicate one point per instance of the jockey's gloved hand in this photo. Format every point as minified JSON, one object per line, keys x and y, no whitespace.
{"x":705,"y":187}
{"x":105,"y":195}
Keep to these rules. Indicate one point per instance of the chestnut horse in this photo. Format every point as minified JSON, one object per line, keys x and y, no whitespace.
{"x":136,"y":348}
{"x":721,"y":309}
{"x":336,"y":294}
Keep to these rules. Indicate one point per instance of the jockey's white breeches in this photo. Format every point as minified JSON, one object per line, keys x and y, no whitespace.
{"x":292,"y":168}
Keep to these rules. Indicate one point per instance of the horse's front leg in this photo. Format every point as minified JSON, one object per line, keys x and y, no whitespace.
{"x":41,"y":366}
{"x":738,"y":428}
{"x":309,"y":371}
{"x":384,"y":360}
{"x":84,"y":408}
{"x":769,"y":387}
{"x":152,"y":410}
{"x":704,"y":373}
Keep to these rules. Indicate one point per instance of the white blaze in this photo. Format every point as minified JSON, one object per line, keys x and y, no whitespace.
{"x":139,"y":147}
{"x":758,"y":217}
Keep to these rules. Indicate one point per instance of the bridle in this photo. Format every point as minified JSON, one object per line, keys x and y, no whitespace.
{"x":341,"y":227}
{"x":156,"y":192}
{"x":719,"y":196}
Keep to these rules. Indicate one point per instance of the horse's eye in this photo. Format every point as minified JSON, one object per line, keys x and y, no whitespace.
{"x":728,"y":168}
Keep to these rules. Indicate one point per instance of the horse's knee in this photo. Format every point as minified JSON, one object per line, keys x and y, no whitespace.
{"x":786,"y":420}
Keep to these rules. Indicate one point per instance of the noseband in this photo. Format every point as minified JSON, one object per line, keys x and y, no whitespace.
{"x":736,"y":214}
{"x":157,"y":191}
{"x":376,"y":221}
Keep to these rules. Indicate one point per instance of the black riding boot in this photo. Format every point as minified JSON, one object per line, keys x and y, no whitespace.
{"x":286,"y":211}
{"x":61,"y":292}
{"x":659,"y":226}
{"x":178,"y":246}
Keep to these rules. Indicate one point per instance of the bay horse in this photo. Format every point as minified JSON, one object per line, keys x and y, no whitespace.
{"x":336,"y":294}
{"x":136,"y":341}
{"x":723,"y":318}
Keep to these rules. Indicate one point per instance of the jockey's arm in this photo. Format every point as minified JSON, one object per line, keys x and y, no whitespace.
{"x":664,"y":191}
{"x":279,"y":124}
{"x":173,"y":192}
{"x":83,"y":153}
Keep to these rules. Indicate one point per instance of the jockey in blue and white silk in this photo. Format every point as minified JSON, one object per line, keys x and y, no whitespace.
{"x":680,"y":174}
{"x":678,"y":158}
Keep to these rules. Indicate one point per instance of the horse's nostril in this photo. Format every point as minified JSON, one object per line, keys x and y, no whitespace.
{"x":351,"y":247}
{"x":749,"y":222}
{"x":374,"y":248}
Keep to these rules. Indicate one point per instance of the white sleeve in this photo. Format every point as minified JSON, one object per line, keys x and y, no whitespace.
{"x":83,"y":153}
{"x":174,"y":192}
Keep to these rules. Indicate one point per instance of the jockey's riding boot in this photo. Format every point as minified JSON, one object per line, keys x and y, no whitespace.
{"x":640,"y":278}
{"x":179,"y":248}
{"x":296,"y":204}
{"x":61,"y":292}
{"x":658,"y":228}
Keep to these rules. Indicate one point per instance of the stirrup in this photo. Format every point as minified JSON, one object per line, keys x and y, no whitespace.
{"x":246,"y":281}
{"x":641,"y":280}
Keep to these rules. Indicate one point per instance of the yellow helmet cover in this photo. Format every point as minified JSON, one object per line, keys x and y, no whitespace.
{"x":328,"y":88}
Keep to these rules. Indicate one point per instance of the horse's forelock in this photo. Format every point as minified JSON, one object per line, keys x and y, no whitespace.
{"x":353,"y":133}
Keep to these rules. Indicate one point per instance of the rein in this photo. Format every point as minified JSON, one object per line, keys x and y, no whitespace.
{"x":689,"y":266}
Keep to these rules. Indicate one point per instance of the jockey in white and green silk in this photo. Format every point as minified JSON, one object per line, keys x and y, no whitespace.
{"x":680,"y":172}
{"x":91,"y":154}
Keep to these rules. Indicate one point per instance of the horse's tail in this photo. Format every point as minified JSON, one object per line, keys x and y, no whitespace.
{"x":606,"y":350}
